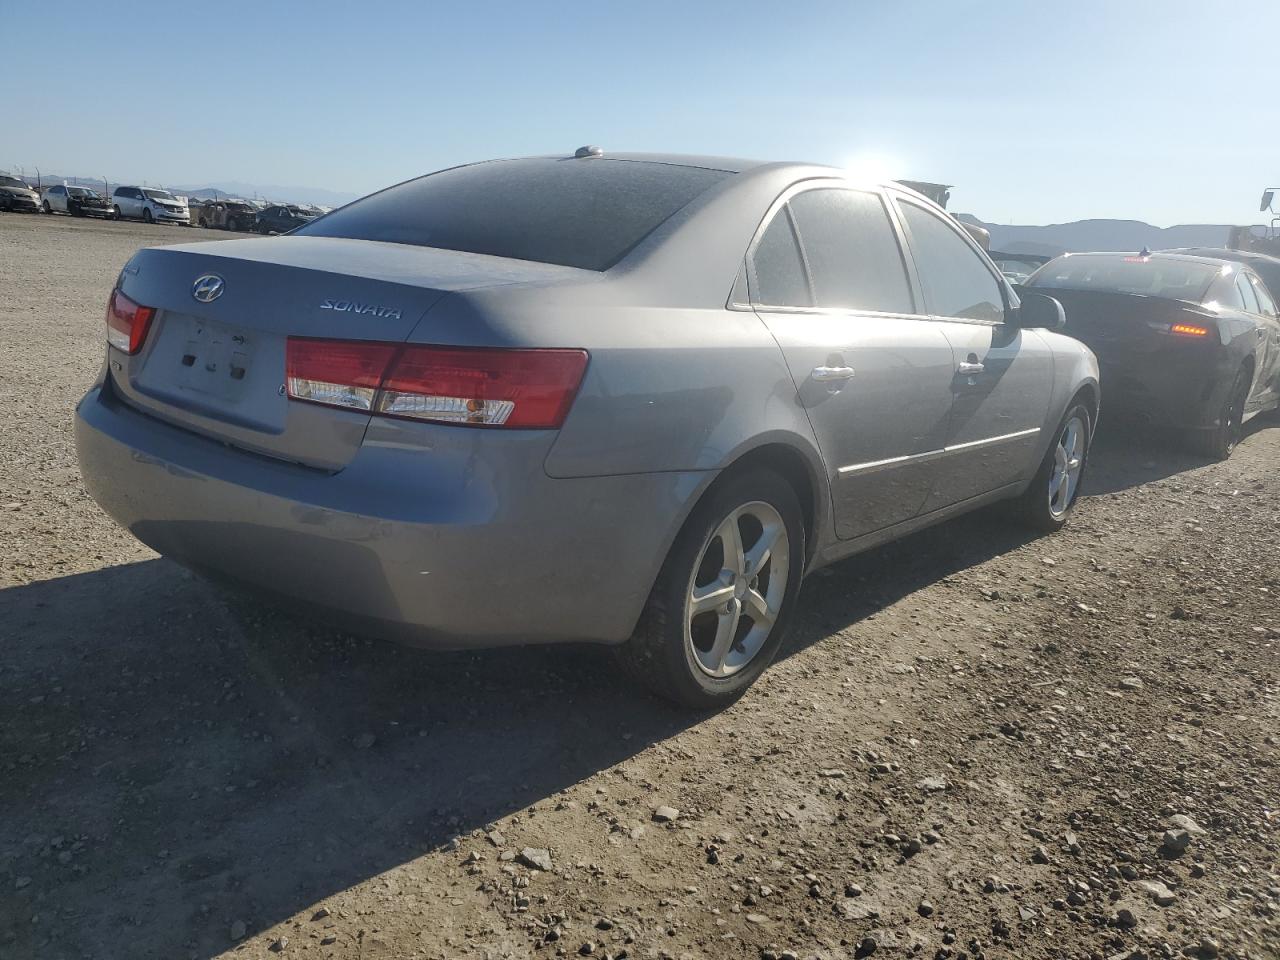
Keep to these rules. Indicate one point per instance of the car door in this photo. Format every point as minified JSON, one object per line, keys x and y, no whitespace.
{"x":828,"y":277}
{"x":1003,"y":379}
{"x":1269,"y":318}
{"x":57,"y":197}
{"x":1249,"y":297}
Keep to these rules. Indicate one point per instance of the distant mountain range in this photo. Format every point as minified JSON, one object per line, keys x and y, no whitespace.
{"x":1082,"y":235}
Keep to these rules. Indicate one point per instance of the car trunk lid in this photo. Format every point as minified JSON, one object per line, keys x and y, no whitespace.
{"x":1105,"y":320}
{"x":217,"y":366}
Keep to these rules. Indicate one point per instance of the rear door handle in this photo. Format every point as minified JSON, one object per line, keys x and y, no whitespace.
{"x":828,"y":374}
{"x":968,"y":368}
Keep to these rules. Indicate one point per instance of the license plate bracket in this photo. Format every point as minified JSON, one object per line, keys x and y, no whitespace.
{"x":215,"y":359}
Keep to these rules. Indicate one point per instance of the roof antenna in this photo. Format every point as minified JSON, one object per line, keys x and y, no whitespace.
{"x":1144,"y":252}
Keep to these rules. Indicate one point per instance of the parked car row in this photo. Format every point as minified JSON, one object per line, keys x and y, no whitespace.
{"x":242,"y":215}
{"x":155,"y":205}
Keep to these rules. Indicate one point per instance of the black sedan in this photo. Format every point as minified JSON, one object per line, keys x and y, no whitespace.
{"x":1182,"y":341}
{"x":282,"y":218}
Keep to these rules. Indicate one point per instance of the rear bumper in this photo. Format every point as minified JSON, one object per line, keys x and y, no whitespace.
{"x":1162,"y":393}
{"x":452,"y":543}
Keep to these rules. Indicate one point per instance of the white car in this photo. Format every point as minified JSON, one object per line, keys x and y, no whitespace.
{"x":149,"y":204}
{"x":76,"y":201}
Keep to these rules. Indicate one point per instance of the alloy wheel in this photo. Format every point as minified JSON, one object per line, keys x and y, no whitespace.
{"x":1068,"y":462}
{"x":737,"y":588}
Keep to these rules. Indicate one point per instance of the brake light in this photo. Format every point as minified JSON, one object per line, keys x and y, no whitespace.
{"x":127,"y":323}
{"x":339,"y":373}
{"x":473,"y":386}
{"x":1189,"y":330}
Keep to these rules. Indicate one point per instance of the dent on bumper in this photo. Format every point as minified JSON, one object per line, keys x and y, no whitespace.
{"x":440,"y":546}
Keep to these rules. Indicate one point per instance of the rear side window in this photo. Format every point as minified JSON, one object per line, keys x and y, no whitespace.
{"x":956,"y":281}
{"x":1265,"y":303}
{"x":577,"y":213}
{"x":778,"y":271}
{"x":854,"y":259}
{"x":1225,"y":293}
{"x":1246,"y":293}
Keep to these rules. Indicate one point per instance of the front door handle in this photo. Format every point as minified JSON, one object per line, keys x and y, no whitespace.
{"x":969,"y":369}
{"x":828,"y":374}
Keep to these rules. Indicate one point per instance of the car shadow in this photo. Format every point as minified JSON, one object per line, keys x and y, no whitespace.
{"x":174,"y":757}
{"x":1127,"y":455}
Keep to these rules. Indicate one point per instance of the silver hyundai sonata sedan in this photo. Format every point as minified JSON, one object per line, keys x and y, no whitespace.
{"x":629,"y":399}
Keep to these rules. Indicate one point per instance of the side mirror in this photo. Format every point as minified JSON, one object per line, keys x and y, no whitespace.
{"x":1039,"y":312}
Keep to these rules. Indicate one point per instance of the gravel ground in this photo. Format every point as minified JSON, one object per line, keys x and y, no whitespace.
{"x":978,"y":744}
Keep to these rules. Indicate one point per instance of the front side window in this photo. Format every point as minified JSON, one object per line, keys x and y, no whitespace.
{"x":852,"y":251}
{"x":778,"y":275}
{"x":956,"y":282}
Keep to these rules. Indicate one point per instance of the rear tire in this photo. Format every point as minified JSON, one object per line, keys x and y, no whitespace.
{"x":1047,"y":504}
{"x":708,"y":657}
{"x":1220,"y":442}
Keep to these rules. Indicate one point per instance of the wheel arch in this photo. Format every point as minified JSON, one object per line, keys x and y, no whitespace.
{"x":797,"y":462}
{"x":1089,"y":393}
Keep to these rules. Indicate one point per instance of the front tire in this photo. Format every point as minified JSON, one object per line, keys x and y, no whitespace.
{"x":1220,"y":442}
{"x":1047,"y":504}
{"x":47,"y":208}
{"x":115,"y":214}
{"x":146,"y":215}
{"x":720,"y":607}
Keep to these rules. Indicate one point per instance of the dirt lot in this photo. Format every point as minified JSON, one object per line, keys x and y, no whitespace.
{"x":973,"y":747}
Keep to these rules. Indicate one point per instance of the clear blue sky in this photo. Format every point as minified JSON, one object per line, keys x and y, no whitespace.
{"x":1162,"y":110}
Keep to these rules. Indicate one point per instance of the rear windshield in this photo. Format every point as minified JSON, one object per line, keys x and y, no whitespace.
{"x":1153,"y":277}
{"x":576,"y":213}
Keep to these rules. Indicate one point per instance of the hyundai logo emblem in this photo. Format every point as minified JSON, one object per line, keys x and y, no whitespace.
{"x":208,"y":288}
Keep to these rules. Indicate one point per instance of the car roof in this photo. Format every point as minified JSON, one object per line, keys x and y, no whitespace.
{"x":1157,"y":255}
{"x":1224,"y":253}
{"x":728,"y":164}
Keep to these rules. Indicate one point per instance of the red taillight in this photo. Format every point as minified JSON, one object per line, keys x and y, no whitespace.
{"x":1189,"y":330}
{"x":475,"y":386}
{"x":127,"y":323}
{"x":340,"y":373}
